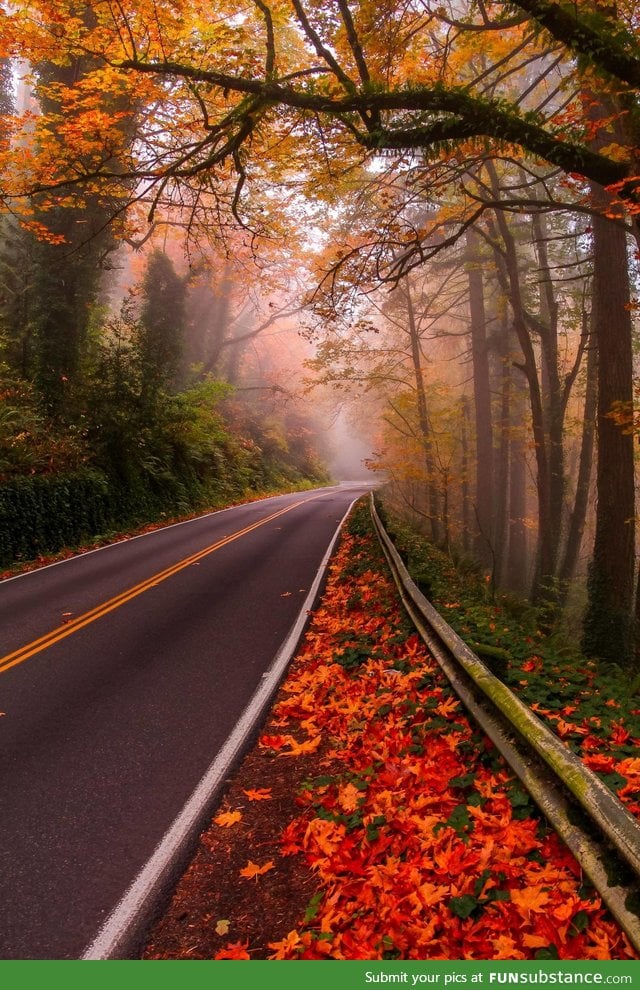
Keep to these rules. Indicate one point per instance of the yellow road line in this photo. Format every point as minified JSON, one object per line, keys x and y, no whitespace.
{"x":61,"y":632}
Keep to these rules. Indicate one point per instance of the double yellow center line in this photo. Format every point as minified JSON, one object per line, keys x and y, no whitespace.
{"x":61,"y":632}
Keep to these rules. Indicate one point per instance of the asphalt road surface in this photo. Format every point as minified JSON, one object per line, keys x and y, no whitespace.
{"x":122,"y":673}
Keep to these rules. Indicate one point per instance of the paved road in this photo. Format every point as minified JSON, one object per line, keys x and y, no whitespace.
{"x":123,"y":673}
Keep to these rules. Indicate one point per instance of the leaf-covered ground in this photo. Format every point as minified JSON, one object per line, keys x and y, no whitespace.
{"x":372,"y":821}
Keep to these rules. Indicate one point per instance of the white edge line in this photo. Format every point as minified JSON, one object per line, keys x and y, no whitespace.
{"x":160,"y":529}
{"x":149,"y":881}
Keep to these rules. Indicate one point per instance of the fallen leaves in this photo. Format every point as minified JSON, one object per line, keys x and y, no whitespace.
{"x":289,"y":745}
{"x":236,"y":950}
{"x":258,"y":794}
{"x":252,"y":870}
{"x":228,"y":818}
{"x":286,"y":947}
{"x":534,"y":899}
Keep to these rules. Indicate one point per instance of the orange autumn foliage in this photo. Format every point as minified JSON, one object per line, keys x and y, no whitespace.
{"x":252,"y":870}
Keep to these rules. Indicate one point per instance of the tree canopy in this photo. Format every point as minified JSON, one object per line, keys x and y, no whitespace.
{"x":225,"y":98}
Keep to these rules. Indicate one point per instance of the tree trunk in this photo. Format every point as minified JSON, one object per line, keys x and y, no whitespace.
{"x":501,"y":496}
{"x":608,"y":626}
{"x":423,"y":421}
{"x":509,"y":273}
{"x":552,"y":387}
{"x":579,"y":514}
{"x":484,"y":493}
{"x":465,"y":507}
{"x":517,"y":574}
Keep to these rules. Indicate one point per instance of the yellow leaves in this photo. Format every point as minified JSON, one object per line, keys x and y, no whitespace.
{"x":447,"y":707}
{"x":616,"y":152}
{"x":534,"y":941}
{"x":294,"y":748}
{"x":252,"y":870}
{"x":228,"y":818}
{"x":42,"y":232}
{"x":222,"y":926}
{"x":504,"y":947}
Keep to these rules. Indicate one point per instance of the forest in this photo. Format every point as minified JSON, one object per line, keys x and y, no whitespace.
{"x":223,"y":222}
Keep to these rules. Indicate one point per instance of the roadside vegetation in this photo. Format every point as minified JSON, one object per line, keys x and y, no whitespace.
{"x":136,"y":434}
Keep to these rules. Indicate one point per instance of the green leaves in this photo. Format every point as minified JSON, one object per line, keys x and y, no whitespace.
{"x":463,"y":906}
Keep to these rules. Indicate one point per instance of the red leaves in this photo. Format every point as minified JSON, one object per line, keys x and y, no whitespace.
{"x":286,"y":947}
{"x":273,"y":742}
{"x":422,"y":844}
{"x":235,"y":950}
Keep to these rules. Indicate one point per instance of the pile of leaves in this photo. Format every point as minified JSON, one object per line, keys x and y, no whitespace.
{"x":387,"y":824}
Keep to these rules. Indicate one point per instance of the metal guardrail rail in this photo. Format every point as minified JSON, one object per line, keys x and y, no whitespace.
{"x":601,"y":833}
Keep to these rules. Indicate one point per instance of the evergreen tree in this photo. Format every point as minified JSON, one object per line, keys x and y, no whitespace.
{"x":161,"y":321}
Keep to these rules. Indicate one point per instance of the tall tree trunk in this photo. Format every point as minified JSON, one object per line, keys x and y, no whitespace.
{"x":503,"y":461}
{"x":609,"y":622}
{"x":578,"y":516}
{"x":552,"y":387}
{"x":465,"y":508}
{"x":484,"y":488}
{"x":517,"y":562}
{"x":509,"y":273}
{"x":426,"y":435}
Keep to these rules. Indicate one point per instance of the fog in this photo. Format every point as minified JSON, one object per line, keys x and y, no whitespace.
{"x":348,"y":452}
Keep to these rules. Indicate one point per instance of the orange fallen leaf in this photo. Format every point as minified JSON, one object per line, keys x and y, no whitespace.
{"x":252,"y":870}
{"x":259,"y":794}
{"x":532,"y":899}
{"x":297,"y":749}
{"x":228,"y":818}
{"x":234,"y":950}
{"x":535,"y":941}
{"x":286,"y":945}
{"x":348,"y":797}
